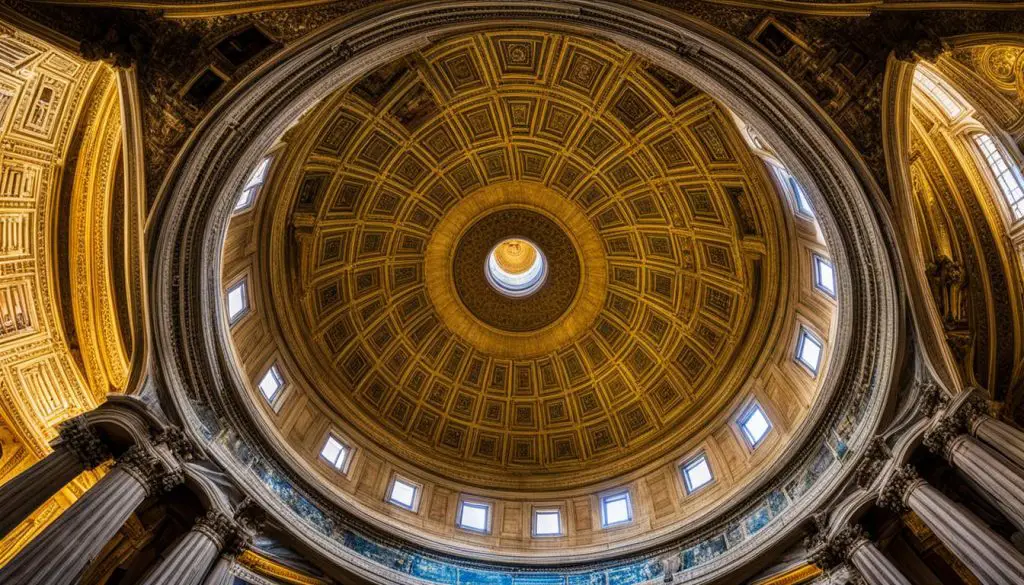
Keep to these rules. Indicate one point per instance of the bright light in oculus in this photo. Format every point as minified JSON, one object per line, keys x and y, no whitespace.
{"x":516,"y":267}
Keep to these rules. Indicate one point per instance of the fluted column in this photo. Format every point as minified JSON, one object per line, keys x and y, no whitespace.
{"x":61,"y":552}
{"x":852,"y":547}
{"x":194,"y":554}
{"x":1001,"y":482}
{"x":220,"y":574}
{"x":873,"y":566}
{"x":1006,"y":439}
{"x":992,"y":560}
{"x":79,"y":449}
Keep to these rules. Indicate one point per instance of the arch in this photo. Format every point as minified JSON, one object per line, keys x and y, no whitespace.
{"x":201,"y":193}
{"x":980,"y":214}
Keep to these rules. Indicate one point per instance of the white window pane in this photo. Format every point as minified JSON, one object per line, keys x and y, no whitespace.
{"x":270,"y":383}
{"x":403,"y":494}
{"x":332,"y":450}
{"x":938,"y":91}
{"x":252,"y":185}
{"x":548,"y":523}
{"x":756,"y":425}
{"x":802,"y":203}
{"x":698,"y":473}
{"x":825,"y":277}
{"x":238,"y":301}
{"x":809,"y":351}
{"x":1007,"y":175}
{"x":474,"y":516}
{"x":616,"y":509}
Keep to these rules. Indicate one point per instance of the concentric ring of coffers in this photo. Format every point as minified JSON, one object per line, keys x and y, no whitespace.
{"x":697,"y":359}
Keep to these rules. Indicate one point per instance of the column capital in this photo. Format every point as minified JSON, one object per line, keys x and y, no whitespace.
{"x":83,"y":441}
{"x":875,"y":456}
{"x":148,"y":470}
{"x":218,"y":526}
{"x":178,"y":442}
{"x":839,"y":547}
{"x":941,"y":437}
{"x":932,"y":398}
{"x":894,"y":494}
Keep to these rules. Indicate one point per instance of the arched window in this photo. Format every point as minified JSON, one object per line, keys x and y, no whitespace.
{"x":939,"y":92}
{"x":1006,"y":174}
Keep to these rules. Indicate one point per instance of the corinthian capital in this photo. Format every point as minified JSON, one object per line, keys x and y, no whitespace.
{"x":939,"y":438}
{"x":895,"y":492}
{"x":149,"y":470}
{"x":218,"y":526}
{"x":837,"y":549}
{"x":82,"y":440}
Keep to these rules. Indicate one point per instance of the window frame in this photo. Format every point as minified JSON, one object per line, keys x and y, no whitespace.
{"x":939,"y":92}
{"x":691,"y":462}
{"x":817,"y":260}
{"x":476,"y":503}
{"x":253,"y":186}
{"x":547,"y":510}
{"x":346,"y":450}
{"x":243,"y":284}
{"x":282,"y":383}
{"x":792,"y":189}
{"x":803,"y":336}
{"x":744,"y":418}
{"x":417,"y":491}
{"x":603,"y":499}
{"x":1010,"y":208}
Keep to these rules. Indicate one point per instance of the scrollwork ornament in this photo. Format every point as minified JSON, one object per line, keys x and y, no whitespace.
{"x":875,"y":456}
{"x":178,"y":442}
{"x":82,"y":440}
{"x":894,"y":493}
{"x":932,"y":398}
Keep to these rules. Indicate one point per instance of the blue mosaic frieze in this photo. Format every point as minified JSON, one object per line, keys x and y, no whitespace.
{"x":435,"y":568}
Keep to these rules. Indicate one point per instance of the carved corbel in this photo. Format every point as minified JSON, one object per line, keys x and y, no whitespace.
{"x":875,"y":456}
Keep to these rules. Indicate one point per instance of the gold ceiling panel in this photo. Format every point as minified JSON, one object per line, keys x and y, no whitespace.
{"x":661,"y":338}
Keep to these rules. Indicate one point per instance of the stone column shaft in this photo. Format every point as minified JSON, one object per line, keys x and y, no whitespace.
{"x":992,"y":560}
{"x":62,"y":551}
{"x":1000,"y":480}
{"x":191,"y":558}
{"x":187,"y":563}
{"x":1007,"y":440}
{"x":20,"y":496}
{"x":874,"y":566}
{"x":220,"y":574}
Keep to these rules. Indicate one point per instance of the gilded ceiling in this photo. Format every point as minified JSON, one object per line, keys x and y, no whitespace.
{"x":658,"y":228}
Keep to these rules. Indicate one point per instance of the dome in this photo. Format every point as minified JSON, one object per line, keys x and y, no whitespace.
{"x":528,"y":264}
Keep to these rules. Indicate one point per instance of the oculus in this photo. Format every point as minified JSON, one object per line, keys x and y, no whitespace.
{"x":516,"y":267}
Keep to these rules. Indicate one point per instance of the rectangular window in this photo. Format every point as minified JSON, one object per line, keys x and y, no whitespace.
{"x":238,"y":301}
{"x":403,"y":494}
{"x":1007,"y":175}
{"x":824,"y":276}
{"x":792,"y":188}
{"x":808,"y":350}
{"x":335,"y":452}
{"x":547,"y":523}
{"x":697,"y":473}
{"x":755,"y":424}
{"x":937,"y":90}
{"x":475,"y":516}
{"x":252,"y":185}
{"x":616,"y":509}
{"x":271,"y":384}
